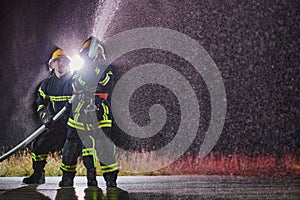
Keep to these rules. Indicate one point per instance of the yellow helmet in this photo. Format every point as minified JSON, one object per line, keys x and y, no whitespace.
{"x":86,"y":44}
{"x":58,"y":53}
{"x":92,"y":47}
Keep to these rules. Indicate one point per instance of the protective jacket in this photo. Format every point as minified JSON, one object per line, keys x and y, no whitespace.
{"x":57,"y":91}
{"x":93,"y":93}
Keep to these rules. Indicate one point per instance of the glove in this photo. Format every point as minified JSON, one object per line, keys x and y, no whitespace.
{"x":47,"y":119}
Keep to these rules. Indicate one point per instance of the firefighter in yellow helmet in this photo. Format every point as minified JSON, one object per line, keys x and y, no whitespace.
{"x":92,"y":117}
{"x":53,"y":94}
{"x":54,"y":138}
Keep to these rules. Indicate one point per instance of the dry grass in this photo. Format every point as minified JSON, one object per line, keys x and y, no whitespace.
{"x":20,"y":164}
{"x":264,"y":165}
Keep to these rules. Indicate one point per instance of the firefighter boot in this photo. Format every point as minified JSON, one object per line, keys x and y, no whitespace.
{"x":91,"y":177}
{"x":67,"y":179}
{"x":111,"y":178}
{"x":38,"y":176}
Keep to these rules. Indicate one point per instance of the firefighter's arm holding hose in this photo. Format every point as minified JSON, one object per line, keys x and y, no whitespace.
{"x":93,"y":76}
{"x":42,"y":101}
{"x":94,"y":79}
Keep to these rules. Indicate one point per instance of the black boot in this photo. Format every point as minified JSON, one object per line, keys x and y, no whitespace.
{"x":38,"y":177}
{"x":67,"y":179}
{"x":111,"y":178}
{"x":91,"y":177}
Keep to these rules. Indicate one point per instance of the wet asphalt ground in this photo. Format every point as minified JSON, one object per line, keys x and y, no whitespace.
{"x":158,"y":187}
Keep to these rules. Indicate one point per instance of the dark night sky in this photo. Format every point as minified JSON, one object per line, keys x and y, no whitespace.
{"x":254,"y":45}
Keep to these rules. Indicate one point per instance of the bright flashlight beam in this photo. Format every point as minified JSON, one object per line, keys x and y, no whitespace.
{"x":76,"y":63}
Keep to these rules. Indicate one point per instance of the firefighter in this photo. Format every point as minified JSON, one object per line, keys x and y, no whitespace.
{"x":53,"y":94}
{"x":92,"y":116}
